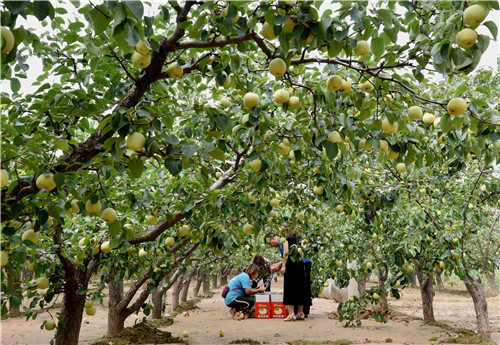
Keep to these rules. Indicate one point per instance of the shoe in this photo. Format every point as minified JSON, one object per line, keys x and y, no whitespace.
{"x":290,"y":317}
{"x":300,"y":316}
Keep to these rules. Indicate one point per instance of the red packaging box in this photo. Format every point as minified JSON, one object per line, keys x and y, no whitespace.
{"x":278,"y":310}
{"x":262,"y":306}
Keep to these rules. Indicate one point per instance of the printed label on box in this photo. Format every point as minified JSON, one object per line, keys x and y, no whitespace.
{"x":262,"y":310}
{"x":278,"y":310}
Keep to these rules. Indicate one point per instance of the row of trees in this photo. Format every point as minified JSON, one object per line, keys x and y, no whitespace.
{"x":162,"y":138}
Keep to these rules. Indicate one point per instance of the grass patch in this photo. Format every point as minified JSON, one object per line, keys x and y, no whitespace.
{"x":163,"y":322}
{"x":463,"y":336}
{"x":388,"y":340}
{"x":186,"y":306}
{"x":141,"y":333}
{"x":245,"y":341}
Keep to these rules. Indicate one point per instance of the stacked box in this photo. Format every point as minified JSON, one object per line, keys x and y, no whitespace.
{"x":278,"y":310}
{"x":262,"y":306}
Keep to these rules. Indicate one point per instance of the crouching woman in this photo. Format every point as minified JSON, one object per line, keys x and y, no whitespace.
{"x":240,"y":288}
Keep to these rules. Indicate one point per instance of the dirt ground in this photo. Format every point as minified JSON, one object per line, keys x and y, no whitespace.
{"x":453,"y":307}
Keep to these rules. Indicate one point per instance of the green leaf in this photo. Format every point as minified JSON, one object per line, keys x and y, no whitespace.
{"x":189,"y":150}
{"x":171,"y":139}
{"x":114,"y":243}
{"x":16,"y":6}
{"x":385,"y":15}
{"x":115,"y":228}
{"x":16,"y":209}
{"x":378,"y":46}
{"x":99,"y":21}
{"x":174,"y":166}
{"x":41,"y":9}
{"x":136,"y":167}
{"x":331,"y":150}
{"x":185,"y":24}
{"x":133,"y":36}
{"x":188,"y":207}
{"x":445,"y":123}
{"x":221,"y":121}
{"x":218,"y":154}
{"x":59,"y":179}
{"x":136,"y":7}
{"x":461,"y":89}
{"x":15,"y":85}
{"x":492,"y":27}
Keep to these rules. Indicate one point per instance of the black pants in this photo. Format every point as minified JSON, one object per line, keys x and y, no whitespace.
{"x":241,"y":303}
{"x":254,"y":285}
{"x":308,"y":303}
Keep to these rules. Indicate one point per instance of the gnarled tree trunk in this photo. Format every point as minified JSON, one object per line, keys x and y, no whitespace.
{"x":176,"y":292}
{"x":362,"y":283}
{"x":185,"y":284}
{"x":476,"y":290}
{"x":426,"y":291}
{"x":68,"y":331}
{"x":157,"y":300}
{"x":492,"y":283}
{"x":206,"y":283}
{"x":199,"y":281}
{"x":16,"y":289}
{"x":439,"y":280}
{"x":75,"y":278}
{"x":383,"y":273}
{"x":215,"y":284}
{"x":116,"y":318}
{"x":413,"y":276}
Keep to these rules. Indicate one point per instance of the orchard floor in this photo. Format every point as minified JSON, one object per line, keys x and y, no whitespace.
{"x":453,"y":307}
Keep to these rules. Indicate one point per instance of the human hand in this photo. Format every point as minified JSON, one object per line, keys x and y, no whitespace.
{"x":283,"y":270}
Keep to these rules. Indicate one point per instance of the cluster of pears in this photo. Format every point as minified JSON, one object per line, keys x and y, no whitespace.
{"x":473,"y":16}
{"x":141,"y":57}
{"x":335,"y":83}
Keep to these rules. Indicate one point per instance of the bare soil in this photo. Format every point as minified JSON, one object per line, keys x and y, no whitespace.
{"x":451,"y":306}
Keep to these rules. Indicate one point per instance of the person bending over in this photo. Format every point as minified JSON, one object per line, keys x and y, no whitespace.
{"x":265,"y":273}
{"x":239,"y":290}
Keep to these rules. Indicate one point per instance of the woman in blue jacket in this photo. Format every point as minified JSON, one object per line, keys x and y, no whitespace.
{"x":240,"y":287}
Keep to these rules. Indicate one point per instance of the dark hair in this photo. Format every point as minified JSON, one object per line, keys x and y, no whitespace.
{"x":251,"y":269}
{"x":268,"y":237}
{"x":259,"y":260}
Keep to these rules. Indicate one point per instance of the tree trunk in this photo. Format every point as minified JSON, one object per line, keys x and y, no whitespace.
{"x":426,"y":292}
{"x":68,"y":330}
{"x":382,"y":277}
{"x":362,"y":283}
{"x":476,"y":290}
{"x":187,"y":281}
{"x":176,"y":292}
{"x":413,"y":280}
{"x":199,"y":280}
{"x":16,"y":289}
{"x":116,"y":319}
{"x":492,"y":283}
{"x":223,"y":277}
{"x":439,"y":280}
{"x":206,"y":283}
{"x":214,"y":282}
{"x":157,"y":300}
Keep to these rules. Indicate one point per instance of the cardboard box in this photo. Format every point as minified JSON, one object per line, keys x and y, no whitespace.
{"x":278,"y":310}
{"x":262,"y":306}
